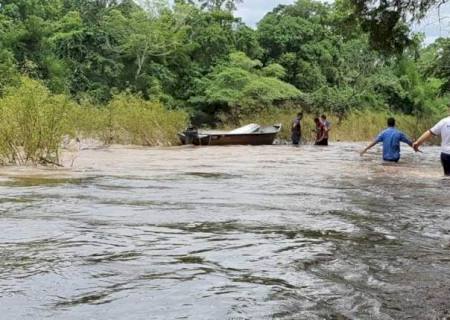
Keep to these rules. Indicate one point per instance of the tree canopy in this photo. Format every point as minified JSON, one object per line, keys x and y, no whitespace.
{"x":198,"y":56}
{"x":387,"y":21}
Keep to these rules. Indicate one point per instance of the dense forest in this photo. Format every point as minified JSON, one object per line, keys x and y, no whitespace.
{"x":199,"y":59}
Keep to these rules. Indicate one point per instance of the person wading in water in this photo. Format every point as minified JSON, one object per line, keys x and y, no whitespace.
{"x":321,"y":133}
{"x":326,"y":123}
{"x":442,"y":128}
{"x":297,"y":129}
{"x":327,"y":127}
{"x":391,"y":138}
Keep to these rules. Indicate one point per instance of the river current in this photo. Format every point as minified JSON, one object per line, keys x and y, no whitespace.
{"x":273,"y":232}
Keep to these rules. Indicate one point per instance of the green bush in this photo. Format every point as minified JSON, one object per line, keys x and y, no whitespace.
{"x":32,"y":123}
{"x":128,"y":119}
{"x":240,"y":88}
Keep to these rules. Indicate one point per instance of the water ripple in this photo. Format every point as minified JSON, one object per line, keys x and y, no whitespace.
{"x":226,"y":233}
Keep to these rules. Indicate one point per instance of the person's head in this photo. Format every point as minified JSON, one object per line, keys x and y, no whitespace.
{"x":391,"y":122}
{"x":317,"y":120}
{"x":300,"y":115}
{"x":323,"y":117}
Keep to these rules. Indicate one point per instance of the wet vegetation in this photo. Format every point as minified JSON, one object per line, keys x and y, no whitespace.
{"x":129,"y":119}
{"x":136,"y":74}
{"x":34,"y":122}
{"x":358,"y":125}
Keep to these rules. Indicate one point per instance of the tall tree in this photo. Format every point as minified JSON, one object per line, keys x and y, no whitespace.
{"x":435,"y":62}
{"x":387,"y":21}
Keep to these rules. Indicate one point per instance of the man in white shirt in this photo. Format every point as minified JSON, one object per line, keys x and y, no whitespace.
{"x":442,"y":129}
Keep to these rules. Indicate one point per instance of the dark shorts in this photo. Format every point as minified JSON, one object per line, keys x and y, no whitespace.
{"x":296,"y":137}
{"x":445,"y":159}
{"x":324,"y":142}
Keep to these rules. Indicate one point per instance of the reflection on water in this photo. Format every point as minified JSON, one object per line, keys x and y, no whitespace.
{"x":226,"y":233}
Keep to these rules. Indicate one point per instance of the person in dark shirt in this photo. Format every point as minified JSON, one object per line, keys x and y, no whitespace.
{"x":326,"y":127}
{"x":326,"y":123}
{"x":297,"y":129}
{"x":321,"y":133}
{"x":391,"y":138}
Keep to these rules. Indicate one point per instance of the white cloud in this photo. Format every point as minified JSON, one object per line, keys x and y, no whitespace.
{"x":252,"y":11}
{"x":436,"y":24}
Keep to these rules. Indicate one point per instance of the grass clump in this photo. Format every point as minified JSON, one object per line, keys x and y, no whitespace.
{"x":128,"y":119}
{"x":131,"y":120}
{"x":32,"y":124}
{"x":365,"y":125}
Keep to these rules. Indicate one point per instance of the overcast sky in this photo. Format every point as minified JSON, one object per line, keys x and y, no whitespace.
{"x":252,"y":11}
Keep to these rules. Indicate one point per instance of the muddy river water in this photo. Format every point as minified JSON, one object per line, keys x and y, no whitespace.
{"x":272,"y":232}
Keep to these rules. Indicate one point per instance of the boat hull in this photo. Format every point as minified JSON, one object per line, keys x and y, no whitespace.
{"x":232,"y":139}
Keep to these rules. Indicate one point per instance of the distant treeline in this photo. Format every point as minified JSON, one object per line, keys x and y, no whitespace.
{"x":197,"y":56}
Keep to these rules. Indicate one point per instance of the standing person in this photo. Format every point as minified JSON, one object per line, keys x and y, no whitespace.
{"x":326,"y":125}
{"x":297,"y":129}
{"x":391,"y":138}
{"x":321,"y":134}
{"x":325,"y":122}
{"x":442,"y":128}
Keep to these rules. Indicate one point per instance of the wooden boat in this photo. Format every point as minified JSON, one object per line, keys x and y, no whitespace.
{"x":251,"y":134}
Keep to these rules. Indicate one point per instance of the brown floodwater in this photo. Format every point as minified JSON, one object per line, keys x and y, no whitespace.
{"x":273,"y":232}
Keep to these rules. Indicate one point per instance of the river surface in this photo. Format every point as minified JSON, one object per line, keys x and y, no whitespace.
{"x":273,"y":232}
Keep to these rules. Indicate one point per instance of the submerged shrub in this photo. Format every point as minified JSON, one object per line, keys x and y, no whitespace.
{"x":32,"y":123}
{"x":128,"y":119}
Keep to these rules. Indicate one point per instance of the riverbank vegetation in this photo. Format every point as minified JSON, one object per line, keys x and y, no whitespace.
{"x":128,"y":73}
{"x":357,"y":125}
{"x":129,"y":119}
{"x":34,"y":122}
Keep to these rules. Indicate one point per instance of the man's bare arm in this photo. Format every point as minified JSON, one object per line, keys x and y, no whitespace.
{"x":424,"y":137}
{"x":368,"y":147}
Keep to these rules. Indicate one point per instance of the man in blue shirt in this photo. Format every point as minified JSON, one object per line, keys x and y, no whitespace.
{"x":391,"y":138}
